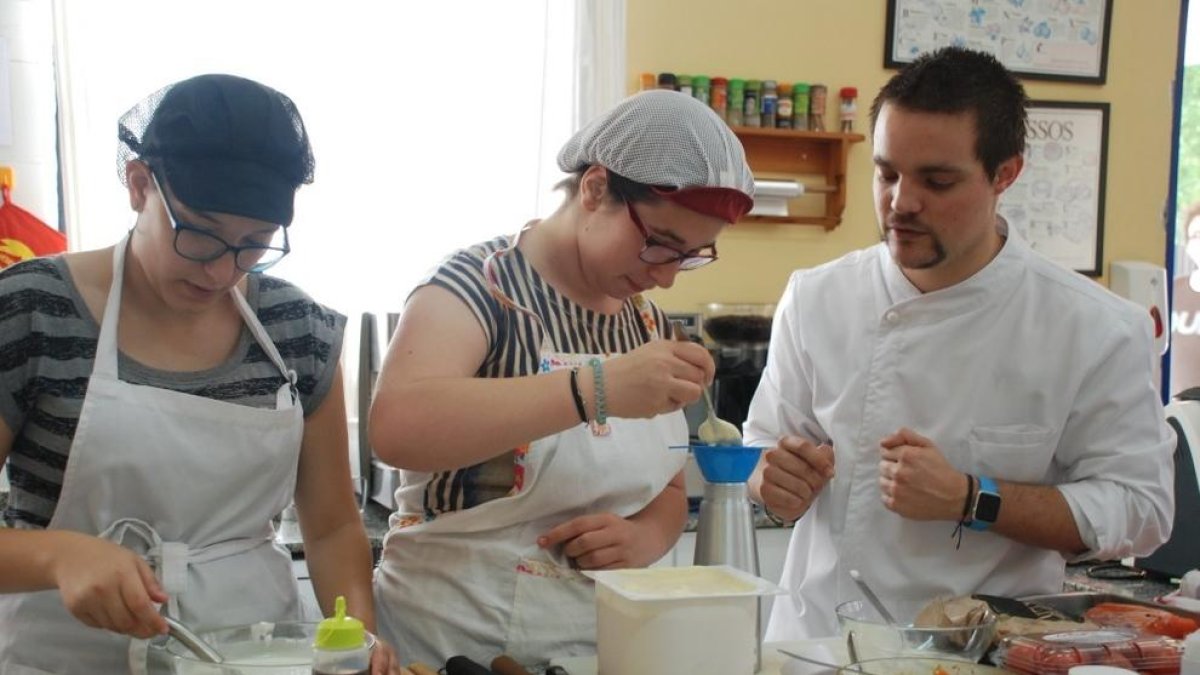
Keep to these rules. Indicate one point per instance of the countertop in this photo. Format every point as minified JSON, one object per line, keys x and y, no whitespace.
{"x":375,"y":517}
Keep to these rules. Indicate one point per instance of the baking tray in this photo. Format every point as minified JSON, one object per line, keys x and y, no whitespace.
{"x":1073,"y":605}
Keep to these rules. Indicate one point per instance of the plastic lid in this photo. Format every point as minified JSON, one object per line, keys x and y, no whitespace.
{"x":340,"y":631}
{"x":848,"y":92}
{"x":1058,"y":653}
{"x":701,"y":79}
{"x":800,"y":86}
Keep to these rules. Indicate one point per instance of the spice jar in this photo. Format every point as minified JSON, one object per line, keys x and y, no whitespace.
{"x":666,"y":81}
{"x":783,"y":118}
{"x":847,"y":108}
{"x":800,"y":106}
{"x":700,"y":88}
{"x":737,"y":101}
{"x":719,"y":97}
{"x":769,"y":104}
{"x":751,"y":114}
{"x":816,"y":110}
{"x":649,"y":81}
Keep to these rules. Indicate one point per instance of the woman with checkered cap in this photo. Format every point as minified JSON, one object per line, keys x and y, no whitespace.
{"x":532,"y":393}
{"x":165,"y":399}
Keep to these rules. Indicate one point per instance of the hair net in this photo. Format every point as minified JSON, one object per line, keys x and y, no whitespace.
{"x":673,"y":142}
{"x":224,"y":144}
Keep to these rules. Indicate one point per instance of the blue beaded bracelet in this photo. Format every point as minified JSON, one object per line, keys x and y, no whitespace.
{"x":600,"y":424}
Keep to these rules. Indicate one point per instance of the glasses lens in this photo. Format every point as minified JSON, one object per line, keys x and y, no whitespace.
{"x":694,"y":262}
{"x":258,"y":259}
{"x":197,"y":245}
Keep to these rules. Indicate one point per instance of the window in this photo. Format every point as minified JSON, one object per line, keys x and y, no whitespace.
{"x":434,"y":125}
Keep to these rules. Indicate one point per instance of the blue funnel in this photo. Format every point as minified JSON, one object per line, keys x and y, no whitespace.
{"x":726,"y":463}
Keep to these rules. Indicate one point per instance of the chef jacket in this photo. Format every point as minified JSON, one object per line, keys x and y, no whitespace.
{"x":1025,"y":372}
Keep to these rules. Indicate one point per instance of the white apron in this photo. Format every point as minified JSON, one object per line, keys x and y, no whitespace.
{"x":191,"y":483}
{"x":475,"y":583}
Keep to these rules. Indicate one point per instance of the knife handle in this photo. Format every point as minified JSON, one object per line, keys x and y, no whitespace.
{"x":461,"y":665}
{"x":506,"y":665}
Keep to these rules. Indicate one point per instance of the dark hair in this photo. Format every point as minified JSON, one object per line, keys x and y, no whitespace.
{"x":956,"y":80}
{"x":619,"y":187}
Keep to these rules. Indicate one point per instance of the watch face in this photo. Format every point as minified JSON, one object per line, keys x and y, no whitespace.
{"x":987,"y":507}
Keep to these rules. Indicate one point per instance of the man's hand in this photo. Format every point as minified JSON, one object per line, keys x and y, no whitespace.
{"x":916,"y":481}
{"x":793,"y":474}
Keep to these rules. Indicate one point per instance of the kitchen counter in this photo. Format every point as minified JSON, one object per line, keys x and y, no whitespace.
{"x":376,"y":520}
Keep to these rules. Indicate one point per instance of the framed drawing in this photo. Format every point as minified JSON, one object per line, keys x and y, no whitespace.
{"x":1057,"y":203}
{"x":1038,"y":39}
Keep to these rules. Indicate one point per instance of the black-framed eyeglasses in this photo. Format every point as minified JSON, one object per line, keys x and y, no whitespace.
{"x":658,"y":253}
{"x":199,"y":245}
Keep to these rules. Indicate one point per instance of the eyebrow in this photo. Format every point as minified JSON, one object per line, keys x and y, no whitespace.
{"x":931,"y":168}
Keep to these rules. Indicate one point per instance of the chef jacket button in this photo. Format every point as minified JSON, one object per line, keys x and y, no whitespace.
{"x":892,"y":316}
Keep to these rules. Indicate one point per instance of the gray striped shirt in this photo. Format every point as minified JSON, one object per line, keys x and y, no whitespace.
{"x":513,"y":341}
{"x":48,"y":345}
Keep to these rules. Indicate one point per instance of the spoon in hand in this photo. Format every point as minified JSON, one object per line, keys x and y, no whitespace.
{"x":713,"y":430}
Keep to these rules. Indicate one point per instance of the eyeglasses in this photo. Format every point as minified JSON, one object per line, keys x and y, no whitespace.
{"x":658,"y":253}
{"x":200,"y":245}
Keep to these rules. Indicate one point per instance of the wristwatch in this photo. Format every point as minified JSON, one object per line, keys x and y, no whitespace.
{"x":986,"y":508}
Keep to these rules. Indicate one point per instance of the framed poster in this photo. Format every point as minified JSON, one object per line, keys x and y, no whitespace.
{"x":1057,"y":203}
{"x":1038,"y":39}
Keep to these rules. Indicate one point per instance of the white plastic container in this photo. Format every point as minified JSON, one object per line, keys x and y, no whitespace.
{"x":677,"y":620}
{"x":1190,"y":664}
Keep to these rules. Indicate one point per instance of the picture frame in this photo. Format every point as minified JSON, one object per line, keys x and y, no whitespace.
{"x":1065,"y":40}
{"x":1057,"y":203}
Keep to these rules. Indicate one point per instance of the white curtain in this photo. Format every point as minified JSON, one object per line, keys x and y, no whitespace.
{"x":434,"y":124}
{"x":600,"y":57}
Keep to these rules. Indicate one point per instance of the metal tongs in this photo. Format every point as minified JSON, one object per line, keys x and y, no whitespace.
{"x":193,"y":642}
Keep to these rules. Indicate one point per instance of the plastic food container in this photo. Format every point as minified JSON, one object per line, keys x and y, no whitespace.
{"x":1057,"y":653}
{"x":677,"y":620}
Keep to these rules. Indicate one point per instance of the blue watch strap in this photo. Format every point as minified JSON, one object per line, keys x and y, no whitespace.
{"x":987,"y":490}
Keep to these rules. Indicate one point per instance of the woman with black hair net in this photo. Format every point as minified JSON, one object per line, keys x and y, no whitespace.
{"x":531,"y":394}
{"x":163,"y":400}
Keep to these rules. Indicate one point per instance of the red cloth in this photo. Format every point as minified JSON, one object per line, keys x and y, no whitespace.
{"x":23,"y":236}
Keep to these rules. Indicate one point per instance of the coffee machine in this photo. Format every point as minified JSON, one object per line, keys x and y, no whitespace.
{"x":738,"y":335}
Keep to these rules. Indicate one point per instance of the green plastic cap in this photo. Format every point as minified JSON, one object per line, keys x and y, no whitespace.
{"x":340,"y":631}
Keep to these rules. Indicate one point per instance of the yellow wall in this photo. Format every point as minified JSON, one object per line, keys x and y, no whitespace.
{"x":840,"y":43}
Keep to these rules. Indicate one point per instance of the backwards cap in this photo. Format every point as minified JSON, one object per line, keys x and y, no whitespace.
{"x":223,"y":143}
{"x":675,"y":144}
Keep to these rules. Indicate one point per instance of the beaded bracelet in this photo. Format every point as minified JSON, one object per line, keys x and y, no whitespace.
{"x":965,"y":520}
{"x":600,"y":424}
{"x":577,"y":396}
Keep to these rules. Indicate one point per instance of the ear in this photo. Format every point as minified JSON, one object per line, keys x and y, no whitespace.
{"x":138,"y":182}
{"x":593,"y":187}
{"x":1008,"y":172}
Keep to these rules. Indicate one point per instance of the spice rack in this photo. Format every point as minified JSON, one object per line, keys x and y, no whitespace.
{"x":789,"y":153}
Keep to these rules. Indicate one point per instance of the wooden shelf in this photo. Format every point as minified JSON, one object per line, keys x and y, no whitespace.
{"x":775,"y":153}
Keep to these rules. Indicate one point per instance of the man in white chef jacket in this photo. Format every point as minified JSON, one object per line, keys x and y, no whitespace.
{"x":948,"y":412}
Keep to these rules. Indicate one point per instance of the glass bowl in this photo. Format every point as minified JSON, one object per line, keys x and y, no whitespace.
{"x":264,"y":648}
{"x":916,"y":665}
{"x":874,"y":639}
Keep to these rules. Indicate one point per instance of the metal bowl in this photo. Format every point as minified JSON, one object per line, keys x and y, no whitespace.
{"x":873,"y":638}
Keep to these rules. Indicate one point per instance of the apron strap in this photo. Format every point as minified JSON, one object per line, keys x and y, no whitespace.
{"x":107,"y":348}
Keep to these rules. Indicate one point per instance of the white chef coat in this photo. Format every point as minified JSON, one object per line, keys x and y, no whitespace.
{"x":1024,"y":372}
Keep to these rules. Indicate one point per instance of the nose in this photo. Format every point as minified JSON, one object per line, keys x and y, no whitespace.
{"x":904,"y":198}
{"x":223,"y":268}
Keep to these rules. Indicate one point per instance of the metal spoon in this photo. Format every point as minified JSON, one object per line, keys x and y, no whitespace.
{"x":872,"y":598}
{"x":817,"y":662}
{"x":713,"y":430}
